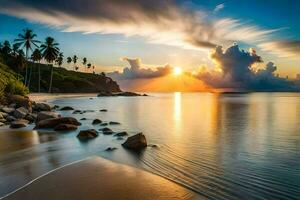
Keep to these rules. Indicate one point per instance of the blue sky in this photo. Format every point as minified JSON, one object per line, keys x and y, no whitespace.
{"x":105,"y":47}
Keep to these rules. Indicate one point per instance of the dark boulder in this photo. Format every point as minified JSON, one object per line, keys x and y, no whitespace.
{"x":83,"y":118}
{"x":136,"y":142}
{"x":20,"y":101}
{"x":121,"y":134}
{"x":110,"y":148}
{"x":87,"y":134}
{"x":47,"y":115}
{"x":77,"y":112}
{"x":103,"y":110}
{"x":65,"y":127}
{"x":18,"y":124}
{"x":42,"y":107}
{"x":114,"y":123}
{"x":51,"y":123}
{"x":96,"y":121}
{"x":66,"y":108}
{"x":20,"y":113}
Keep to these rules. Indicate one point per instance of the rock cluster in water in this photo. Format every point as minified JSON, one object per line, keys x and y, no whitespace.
{"x":21,"y":111}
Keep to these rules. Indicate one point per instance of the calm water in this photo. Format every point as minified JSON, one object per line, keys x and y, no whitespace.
{"x":223,"y":146}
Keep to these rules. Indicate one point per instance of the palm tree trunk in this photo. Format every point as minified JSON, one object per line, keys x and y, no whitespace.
{"x":39,"y":77}
{"x":26,"y":68}
{"x":51,"y":76}
{"x":29,"y":78}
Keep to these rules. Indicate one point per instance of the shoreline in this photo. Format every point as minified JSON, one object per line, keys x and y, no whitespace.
{"x":45,"y":97}
{"x":92,"y":186}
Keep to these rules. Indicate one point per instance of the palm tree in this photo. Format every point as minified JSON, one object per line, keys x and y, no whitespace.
{"x":27,"y":40}
{"x":37,"y":57}
{"x":15,"y":49}
{"x":84,"y":61}
{"x":75,"y":60}
{"x":59,"y":59}
{"x":20,"y":62}
{"x":50,"y":52}
{"x":6,"y":49}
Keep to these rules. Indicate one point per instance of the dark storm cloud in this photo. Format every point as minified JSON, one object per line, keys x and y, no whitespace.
{"x":164,"y":22}
{"x":236,"y":72}
{"x":138,"y":71}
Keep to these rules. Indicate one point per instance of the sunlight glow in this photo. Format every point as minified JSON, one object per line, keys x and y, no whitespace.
{"x":177,"y":71}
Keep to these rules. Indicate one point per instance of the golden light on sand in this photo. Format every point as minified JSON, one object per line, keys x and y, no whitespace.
{"x":177,"y":71}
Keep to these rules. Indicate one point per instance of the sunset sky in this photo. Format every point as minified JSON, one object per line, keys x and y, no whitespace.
{"x":150,"y":34}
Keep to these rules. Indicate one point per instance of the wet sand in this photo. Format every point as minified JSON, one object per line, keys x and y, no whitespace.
{"x":44,"y":97}
{"x":98,"y":178}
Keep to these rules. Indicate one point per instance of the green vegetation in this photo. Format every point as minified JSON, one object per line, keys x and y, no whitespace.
{"x":23,"y":72}
{"x":9,"y":83}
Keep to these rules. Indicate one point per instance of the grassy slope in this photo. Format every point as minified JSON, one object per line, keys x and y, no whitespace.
{"x":66,"y":81}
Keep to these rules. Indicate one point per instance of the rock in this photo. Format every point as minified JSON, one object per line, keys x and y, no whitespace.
{"x":153,"y":145}
{"x":103,"y":110}
{"x":65,"y":127}
{"x":96,"y":121}
{"x":76,"y":112}
{"x":8,"y":110}
{"x":136,"y":142}
{"x":42,"y":107}
{"x":3,"y":115}
{"x":83,"y":118}
{"x":114,"y":123}
{"x":12,"y":105}
{"x":10,"y":118}
{"x":55,"y":107}
{"x":87,"y":134}
{"x":105,"y":129}
{"x":20,"y":113}
{"x":67,"y":108}
{"x":47,"y":115}
{"x":107,"y":132}
{"x":2,"y":124}
{"x":2,"y":120}
{"x":20,"y":101}
{"x":104,"y":124}
{"x":18,"y":124}
{"x":121,"y":134}
{"x":31,"y":117}
{"x":51,"y":123}
{"x":120,"y":138}
{"x":110,"y":148}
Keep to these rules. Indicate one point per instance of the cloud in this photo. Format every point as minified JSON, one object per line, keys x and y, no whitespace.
{"x":234,"y":71}
{"x":219,"y":7}
{"x":282,"y":48}
{"x":138,"y":71}
{"x":162,"y":22}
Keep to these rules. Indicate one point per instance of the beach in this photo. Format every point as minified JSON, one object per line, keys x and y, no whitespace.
{"x":97,"y":178}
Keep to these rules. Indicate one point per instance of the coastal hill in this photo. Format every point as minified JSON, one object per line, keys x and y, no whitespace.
{"x":64,"y":81}
{"x":67,"y":81}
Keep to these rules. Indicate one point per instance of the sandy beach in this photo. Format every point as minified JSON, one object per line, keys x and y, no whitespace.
{"x":97,"y":178}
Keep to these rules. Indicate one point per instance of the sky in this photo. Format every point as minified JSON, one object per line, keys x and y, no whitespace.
{"x":144,"y":40}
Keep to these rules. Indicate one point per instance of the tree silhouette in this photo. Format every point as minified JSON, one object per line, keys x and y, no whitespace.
{"x":50,"y":52}
{"x":27,"y":41}
{"x":75,"y":60}
{"x":37,"y":57}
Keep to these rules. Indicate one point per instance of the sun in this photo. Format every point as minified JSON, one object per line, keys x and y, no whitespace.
{"x":177,"y":71}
